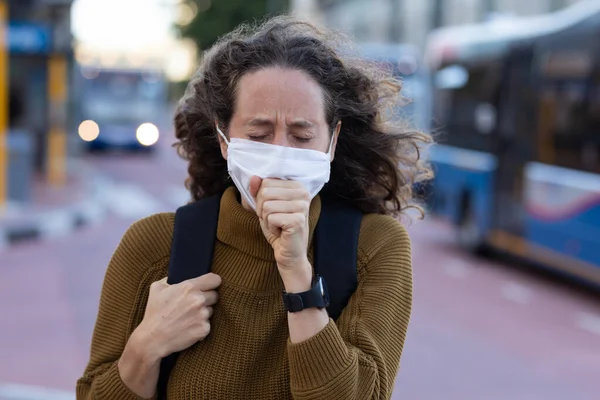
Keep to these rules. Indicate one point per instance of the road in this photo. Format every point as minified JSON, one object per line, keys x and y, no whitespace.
{"x":480,"y":329}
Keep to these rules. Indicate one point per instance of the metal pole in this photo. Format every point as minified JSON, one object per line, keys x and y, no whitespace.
{"x":437,"y":17}
{"x":57,"y":99}
{"x":487,"y":7}
{"x":395,"y":25}
{"x":4,"y":103}
{"x":57,"y":136}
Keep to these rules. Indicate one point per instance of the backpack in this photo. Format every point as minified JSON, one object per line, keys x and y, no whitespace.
{"x":335,"y":246}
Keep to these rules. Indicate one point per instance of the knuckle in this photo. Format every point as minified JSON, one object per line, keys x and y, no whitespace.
{"x":214,"y":279}
{"x":187,"y":286}
{"x":267,"y":207}
{"x":304,"y":195}
{"x":199,"y":301}
{"x":204,"y":313}
{"x":205,"y":328}
{"x":303,"y":205}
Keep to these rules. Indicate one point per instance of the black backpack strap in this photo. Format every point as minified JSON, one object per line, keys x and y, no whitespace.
{"x":335,"y":250}
{"x":192,"y":251}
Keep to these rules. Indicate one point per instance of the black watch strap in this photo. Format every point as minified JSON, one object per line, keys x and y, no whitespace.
{"x":316,"y":297}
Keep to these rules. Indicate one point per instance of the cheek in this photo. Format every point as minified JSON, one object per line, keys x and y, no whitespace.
{"x":321,"y":143}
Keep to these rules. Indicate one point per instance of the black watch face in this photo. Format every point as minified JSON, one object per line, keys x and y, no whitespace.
{"x":323,"y":290}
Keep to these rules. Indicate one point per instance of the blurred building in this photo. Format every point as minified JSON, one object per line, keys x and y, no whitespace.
{"x":409,"y":21}
{"x":39,"y":52}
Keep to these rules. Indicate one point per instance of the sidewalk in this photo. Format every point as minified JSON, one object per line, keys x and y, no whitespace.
{"x":54,"y":211}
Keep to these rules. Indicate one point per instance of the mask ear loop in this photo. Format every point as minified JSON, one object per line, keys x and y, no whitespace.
{"x":331,"y":142}
{"x":226,"y":141}
{"x":222,"y":134}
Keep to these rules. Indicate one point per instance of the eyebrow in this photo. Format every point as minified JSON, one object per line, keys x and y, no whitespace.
{"x":298,"y":122}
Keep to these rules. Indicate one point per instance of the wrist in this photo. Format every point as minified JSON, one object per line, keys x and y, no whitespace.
{"x":139,"y":365}
{"x":144,"y":348}
{"x":298,"y":279}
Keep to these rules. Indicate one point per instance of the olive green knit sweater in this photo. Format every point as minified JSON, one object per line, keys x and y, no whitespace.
{"x":248,"y":354}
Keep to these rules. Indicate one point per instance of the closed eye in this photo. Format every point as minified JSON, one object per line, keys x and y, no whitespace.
{"x":303,"y":139}
{"x":257,"y":137}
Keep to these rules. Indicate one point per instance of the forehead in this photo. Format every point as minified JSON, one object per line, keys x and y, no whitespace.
{"x":278,"y":93}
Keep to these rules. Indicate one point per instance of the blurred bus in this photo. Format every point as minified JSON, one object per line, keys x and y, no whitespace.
{"x":121,"y":108}
{"x":517,"y":107}
{"x":406,"y":63}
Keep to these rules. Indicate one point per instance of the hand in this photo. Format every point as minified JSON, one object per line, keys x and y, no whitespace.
{"x":177,"y":316}
{"x":282,"y":207}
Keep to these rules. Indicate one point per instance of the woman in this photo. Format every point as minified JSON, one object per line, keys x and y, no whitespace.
{"x":284,"y":93}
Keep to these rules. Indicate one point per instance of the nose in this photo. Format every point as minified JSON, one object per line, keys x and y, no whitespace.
{"x":281,"y":138}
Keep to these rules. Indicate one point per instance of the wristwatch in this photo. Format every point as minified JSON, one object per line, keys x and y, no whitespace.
{"x":316,"y":297}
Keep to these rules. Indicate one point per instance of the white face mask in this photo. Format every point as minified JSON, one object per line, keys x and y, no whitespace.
{"x":246,"y":158}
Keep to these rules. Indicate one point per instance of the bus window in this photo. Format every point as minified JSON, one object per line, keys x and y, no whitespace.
{"x":573,"y":126}
{"x":464,"y":106}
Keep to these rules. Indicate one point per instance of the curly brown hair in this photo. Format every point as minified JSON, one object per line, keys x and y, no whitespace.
{"x":377,"y":159}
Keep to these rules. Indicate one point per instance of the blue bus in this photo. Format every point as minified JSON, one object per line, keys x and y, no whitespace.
{"x":516,"y":104}
{"x":121,"y":108}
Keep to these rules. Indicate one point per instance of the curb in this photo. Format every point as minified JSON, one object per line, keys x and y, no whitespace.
{"x":61,"y":221}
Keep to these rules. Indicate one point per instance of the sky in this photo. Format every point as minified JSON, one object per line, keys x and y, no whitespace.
{"x":122,"y":24}
{"x":134,"y":28}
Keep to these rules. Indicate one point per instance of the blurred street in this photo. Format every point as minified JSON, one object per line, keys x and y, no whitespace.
{"x":480,"y":329}
{"x":509,"y":90}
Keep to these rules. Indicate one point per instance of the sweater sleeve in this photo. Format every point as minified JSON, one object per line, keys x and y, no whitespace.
{"x":360,"y":356}
{"x":139,"y":260}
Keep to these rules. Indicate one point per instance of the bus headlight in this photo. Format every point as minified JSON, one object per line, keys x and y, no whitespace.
{"x":88,"y":130}
{"x":147,"y":134}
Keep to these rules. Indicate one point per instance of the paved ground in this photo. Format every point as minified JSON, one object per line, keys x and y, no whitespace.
{"x":480,"y":329}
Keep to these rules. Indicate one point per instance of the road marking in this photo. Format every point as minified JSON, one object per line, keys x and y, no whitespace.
{"x":92,"y":212}
{"x":130,"y":201}
{"x":517,"y":293}
{"x":589,"y":323}
{"x":456,"y":269}
{"x":25,"y":392}
{"x":56,"y":224}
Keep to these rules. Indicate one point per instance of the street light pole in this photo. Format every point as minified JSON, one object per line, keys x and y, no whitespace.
{"x":395,"y":27}
{"x":487,"y":7}
{"x":437,"y":14}
{"x":3,"y":102}
{"x":57,"y":97}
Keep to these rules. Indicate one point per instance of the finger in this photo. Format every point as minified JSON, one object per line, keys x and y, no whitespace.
{"x":267,"y":193}
{"x":210,"y":298}
{"x":206,"y":282}
{"x":255,"y":184}
{"x":285,"y":207}
{"x":288,"y":222}
{"x":275,"y":231}
{"x":282,"y":183}
{"x":209,"y":312}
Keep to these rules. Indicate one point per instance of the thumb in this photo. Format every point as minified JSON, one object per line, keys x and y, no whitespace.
{"x":255,"y":183}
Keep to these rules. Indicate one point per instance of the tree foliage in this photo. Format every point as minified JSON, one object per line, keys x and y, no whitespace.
{"x":217,"y":17}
